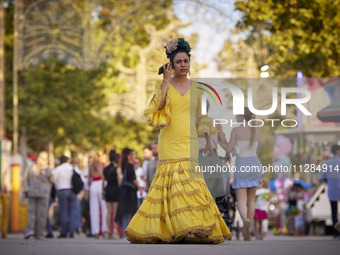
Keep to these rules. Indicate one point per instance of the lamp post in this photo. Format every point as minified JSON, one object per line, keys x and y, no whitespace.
{"x":15,"y":201}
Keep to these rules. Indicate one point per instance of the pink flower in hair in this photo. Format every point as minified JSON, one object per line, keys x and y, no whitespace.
{"x":172,"y":46}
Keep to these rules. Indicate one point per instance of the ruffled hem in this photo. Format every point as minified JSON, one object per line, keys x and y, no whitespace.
{"x":178,"y":203}
{"x":204,"y":125}
{"x":158,"y":118}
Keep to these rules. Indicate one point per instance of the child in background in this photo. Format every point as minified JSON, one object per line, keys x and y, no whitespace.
{"x":261,"y":199}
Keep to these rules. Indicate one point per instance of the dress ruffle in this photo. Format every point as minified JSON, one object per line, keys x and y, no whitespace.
{"x":158,"y":118}
{"x":205,"y":125}
{"x":178,"y":203}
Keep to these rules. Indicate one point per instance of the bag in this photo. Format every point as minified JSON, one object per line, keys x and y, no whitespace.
{"x":126,"y":184}
{"x":77,"y":182}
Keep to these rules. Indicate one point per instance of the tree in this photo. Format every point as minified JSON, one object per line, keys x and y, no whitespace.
{"x":301,"y":35}
{"x":58,"y":101}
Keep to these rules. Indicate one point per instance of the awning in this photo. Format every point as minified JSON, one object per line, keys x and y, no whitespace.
{"x":331,"y":113}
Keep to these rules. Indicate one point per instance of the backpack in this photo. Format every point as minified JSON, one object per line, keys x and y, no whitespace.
{"x":77,"y":183}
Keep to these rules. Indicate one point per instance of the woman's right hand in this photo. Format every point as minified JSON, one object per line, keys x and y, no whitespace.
{"x":167,"y":71}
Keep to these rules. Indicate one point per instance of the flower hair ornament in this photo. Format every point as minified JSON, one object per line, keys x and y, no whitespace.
{"x":175,"y":44}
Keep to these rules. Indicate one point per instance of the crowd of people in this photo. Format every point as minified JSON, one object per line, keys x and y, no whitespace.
{"x":101,"y":206}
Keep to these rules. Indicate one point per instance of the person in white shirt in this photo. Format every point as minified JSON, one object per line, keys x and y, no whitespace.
{"x":66,"y":196}
{"x":141,"y":179}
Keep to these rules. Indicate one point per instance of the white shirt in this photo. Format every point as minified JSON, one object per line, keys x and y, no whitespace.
{"x":261,"y":199}
{"x":142,"y":183}
{"x":63,"y":176}
{"x":145,"y":166}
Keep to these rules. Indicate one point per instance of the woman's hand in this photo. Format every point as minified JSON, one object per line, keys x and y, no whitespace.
{"x":141,"y":191}
{"x":167,"y":71}
{"x":208,"y":149}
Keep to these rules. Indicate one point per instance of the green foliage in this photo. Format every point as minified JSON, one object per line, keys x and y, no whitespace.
{"x":301,"y":35}
{"x":61,"y":102}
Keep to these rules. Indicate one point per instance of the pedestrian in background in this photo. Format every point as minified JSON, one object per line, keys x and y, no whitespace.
{"x":247,"y":140}
{"x":128,"y":204}
{"x":141,"y":179}
{"x":332,"y":178}
{"x":152,"y":165}
{"x":66,"y":196}
{"x":113,"y":176}
{"x":97,"y":202}
{"x":262,"y":196}
{"x":37,"y":185}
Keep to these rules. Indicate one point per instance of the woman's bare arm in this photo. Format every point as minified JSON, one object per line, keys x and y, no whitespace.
{"x":165,"y":84}
{"x":228,"y":147}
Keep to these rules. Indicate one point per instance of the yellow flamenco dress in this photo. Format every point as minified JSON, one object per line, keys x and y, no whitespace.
{"x":178,"y":202}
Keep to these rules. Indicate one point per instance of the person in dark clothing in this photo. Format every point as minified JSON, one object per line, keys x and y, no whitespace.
{"x":128,"y":203}
{"x":112,"y":175}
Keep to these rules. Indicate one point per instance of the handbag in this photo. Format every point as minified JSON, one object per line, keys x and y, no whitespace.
{"x":77,"y":183}
{"x":126,"y":184}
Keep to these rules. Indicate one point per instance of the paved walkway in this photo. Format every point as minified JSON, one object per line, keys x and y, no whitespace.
{"x":275,"y":245}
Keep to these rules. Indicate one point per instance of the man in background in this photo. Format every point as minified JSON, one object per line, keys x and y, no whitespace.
{"x":66,"y":196}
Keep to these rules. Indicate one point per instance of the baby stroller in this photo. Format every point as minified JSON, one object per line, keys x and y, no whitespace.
{"x":227,"y":205}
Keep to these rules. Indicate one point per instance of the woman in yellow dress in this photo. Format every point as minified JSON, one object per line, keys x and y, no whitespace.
{"x":179,"y":207}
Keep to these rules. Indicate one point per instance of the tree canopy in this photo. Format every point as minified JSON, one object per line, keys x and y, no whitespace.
{"x":300,"y":35}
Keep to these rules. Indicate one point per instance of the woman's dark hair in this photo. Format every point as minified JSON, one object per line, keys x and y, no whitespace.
{"x":113,"y":156}
{"x":125,"y":153}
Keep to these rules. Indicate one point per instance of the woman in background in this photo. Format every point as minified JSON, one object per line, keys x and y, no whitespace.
{"x":128,"y":203}
{"x":247,"y":139}
{"x":97,"y":203}
{"x":112,"y":175}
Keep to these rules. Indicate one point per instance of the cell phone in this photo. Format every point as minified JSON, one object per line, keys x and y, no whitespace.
{"x":161,"y":69}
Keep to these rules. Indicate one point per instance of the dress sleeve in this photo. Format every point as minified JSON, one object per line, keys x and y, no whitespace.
{"x":203,"y":123}
{"x":158,"y":118}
